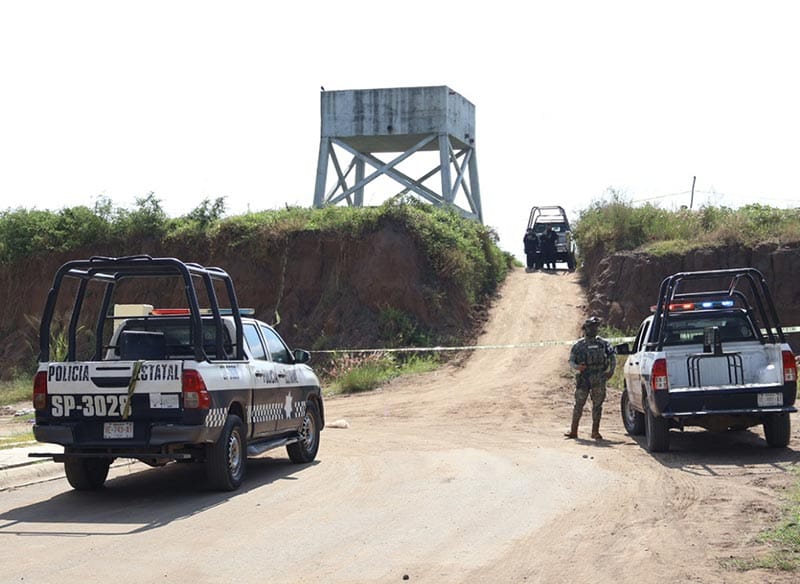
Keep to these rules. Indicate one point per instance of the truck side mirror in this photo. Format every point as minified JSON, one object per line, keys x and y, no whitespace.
{"x":623,"y":349}
{"x":301,"y":356}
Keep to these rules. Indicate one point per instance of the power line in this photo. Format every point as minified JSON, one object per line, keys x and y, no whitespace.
{"x":661,"y":197}
{"x":756,"y":199}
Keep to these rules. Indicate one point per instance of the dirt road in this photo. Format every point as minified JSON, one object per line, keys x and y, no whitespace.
{"x":462,"y":475}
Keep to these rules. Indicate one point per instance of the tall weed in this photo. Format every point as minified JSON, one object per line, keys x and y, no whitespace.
{"x":615,"y":224}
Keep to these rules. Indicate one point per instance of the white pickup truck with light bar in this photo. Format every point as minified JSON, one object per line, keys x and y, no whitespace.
{"x":209,"y":385}
{"x":713,"y":355}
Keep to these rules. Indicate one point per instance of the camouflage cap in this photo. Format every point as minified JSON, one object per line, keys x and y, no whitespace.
{"x":592,"y":322}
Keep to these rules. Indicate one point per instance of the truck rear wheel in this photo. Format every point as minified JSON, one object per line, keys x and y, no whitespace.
{"x":86,"y":474}
{"x":656,"y":431}
{"x":777,"y":429}
{"x":570,"y":262}
{"x":632,"y":419}
{"x":226,"y":459}
{"x":306,"y":449}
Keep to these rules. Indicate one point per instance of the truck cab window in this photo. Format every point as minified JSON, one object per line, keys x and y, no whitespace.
{"x":254,"y":342}
{"x":277,"y":350}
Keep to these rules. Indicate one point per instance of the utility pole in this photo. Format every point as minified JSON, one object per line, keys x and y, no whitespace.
{"x":691,"y":201}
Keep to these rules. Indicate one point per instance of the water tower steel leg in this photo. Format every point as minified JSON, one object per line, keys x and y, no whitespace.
{"x":474,"y":184}
{"x":444,"y":161}
{"x":359,"y":177}
{"x":322,"y":172}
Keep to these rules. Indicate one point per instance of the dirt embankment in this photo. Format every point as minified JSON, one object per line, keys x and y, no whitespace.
{"x":623,"y":286}
{"x":325,"y":290}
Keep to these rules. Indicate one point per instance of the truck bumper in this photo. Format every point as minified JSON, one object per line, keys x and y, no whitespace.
{"x":744,"y":401}
{"x":147,"y":439}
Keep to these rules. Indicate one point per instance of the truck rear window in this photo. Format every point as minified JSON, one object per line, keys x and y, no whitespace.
{"x":178,"y":336}
{"x":689,"y":331}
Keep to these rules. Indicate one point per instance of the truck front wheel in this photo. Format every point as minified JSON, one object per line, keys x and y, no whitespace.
{"x":632,"y":419}
{"x":226,"y":459}
{"x":777,"y":429}
{"x":86,"y":474}
{"x":305,"y":450}
{"x":656,"y":431}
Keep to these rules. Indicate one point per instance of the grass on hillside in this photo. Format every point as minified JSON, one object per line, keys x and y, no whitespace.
{"x":459,"y":249}
{"x":614,"y":224}
{"x":353,"y":373}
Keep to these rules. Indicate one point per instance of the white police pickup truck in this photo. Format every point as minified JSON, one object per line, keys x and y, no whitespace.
{"x":713,"y":355}
{"x":205,"y":385}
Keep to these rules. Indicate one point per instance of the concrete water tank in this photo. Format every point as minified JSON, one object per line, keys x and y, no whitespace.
{"x":398,"y":120}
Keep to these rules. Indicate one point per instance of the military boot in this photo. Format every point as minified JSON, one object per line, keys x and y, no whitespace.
{"x":573,"y":431}
{"x":596,"y":430}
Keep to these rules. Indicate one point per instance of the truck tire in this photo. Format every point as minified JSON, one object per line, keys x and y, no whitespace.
{"x":86,"y":474}
{"x":571,"y":262}
{"x":777,"y":429}
{"x":226,"y":459}
{"x":656,"y":431}
{"x":306,"y":449}
{"x":632,"y":419}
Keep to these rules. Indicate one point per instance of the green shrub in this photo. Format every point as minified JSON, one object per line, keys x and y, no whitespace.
{"x":24,"y":232}
{"x":357,"y":372}
{"x":615,"y":224}
{"x":200,"y":221}
{"x":399,"y":329}
{"x":147,"y":219}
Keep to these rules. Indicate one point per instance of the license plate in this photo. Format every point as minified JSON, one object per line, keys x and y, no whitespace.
{"x":770,"y":399}
{"x":116,"y":430}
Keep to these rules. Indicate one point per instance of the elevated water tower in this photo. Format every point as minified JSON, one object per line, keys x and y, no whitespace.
{"x":408,"y":121}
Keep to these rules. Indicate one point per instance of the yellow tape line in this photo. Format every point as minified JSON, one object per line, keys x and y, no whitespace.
{"x":533,"y":345}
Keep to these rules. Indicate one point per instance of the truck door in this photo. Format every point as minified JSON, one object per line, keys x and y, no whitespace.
{"x":290,"y":390}
{"x":265,"y":406}
{"x":632,"y":371}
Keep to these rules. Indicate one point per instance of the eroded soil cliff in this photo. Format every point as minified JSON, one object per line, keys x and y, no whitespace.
{"x":623,"y":286}
{"x":322,"y":290}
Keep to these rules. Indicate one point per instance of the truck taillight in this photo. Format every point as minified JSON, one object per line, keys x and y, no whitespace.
{"x":40,"y":390}
{"x":789,"y":367}
{"x":195,"y":393}
{"x":658,"y":376}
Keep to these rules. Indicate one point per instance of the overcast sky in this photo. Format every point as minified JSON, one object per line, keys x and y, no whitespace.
{"x":198,"y":99}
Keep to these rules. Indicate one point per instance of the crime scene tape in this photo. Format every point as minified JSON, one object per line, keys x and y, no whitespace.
{"x":532,"y":345}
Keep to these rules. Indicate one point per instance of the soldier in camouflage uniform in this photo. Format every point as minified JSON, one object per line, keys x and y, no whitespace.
{"x":593,"y":360}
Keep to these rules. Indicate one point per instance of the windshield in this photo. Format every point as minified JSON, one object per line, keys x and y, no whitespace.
{"x":557,"y":227}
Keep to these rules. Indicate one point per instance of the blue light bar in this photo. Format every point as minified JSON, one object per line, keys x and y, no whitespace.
{"x":717,"y":304}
